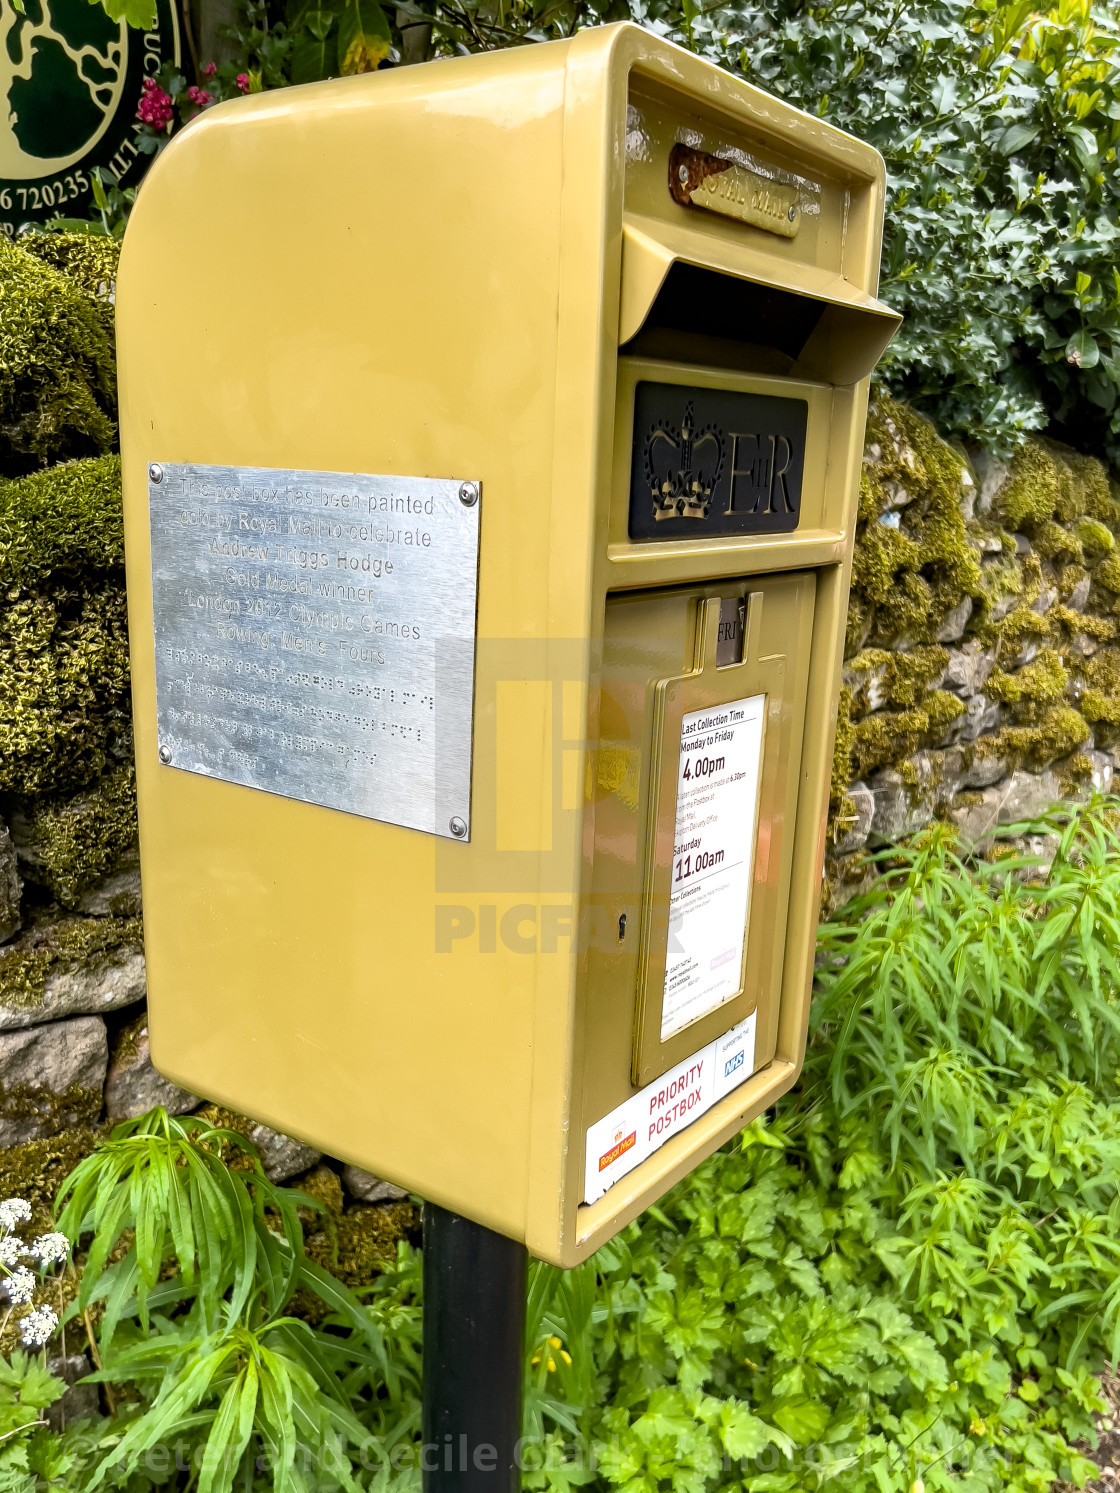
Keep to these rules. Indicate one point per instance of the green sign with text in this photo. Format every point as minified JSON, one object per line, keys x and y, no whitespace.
{"x":70,"y":83}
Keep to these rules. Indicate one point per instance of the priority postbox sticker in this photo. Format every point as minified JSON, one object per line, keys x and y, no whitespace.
{"x":622,"y":1140}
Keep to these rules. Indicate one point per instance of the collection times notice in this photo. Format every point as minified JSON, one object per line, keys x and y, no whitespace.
{"x":315,"y":636}
{"x":713,"y":859}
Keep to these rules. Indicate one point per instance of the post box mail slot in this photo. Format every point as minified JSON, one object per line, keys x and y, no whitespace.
{"x":488,"y":554}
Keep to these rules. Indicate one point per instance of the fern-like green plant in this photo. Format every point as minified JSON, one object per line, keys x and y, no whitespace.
{"x":194,"y":1257}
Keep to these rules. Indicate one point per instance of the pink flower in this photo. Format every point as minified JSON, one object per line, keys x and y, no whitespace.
{"x":210,"y":69}
{"x":243,"y":82}
{"x":199,"y":96}
{"x":155,"y":107}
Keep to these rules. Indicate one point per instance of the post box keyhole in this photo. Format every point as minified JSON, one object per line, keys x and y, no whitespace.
{"x":621,"y":926}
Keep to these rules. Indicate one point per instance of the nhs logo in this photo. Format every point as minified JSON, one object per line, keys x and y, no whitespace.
{"x":732,"y":1063}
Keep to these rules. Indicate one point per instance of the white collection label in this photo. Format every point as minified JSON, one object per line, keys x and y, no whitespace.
{"x":620,"y":1141}
{"x":713,"y":857}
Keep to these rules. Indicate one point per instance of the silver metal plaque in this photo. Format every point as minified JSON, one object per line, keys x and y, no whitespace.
{"x":315,"y":636}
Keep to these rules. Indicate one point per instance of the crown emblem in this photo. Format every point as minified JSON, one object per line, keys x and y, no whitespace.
{"x":683,"y":466}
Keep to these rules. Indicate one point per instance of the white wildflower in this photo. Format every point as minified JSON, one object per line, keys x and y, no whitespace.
{"x":13,"y":1211}
{"x":50,"y":1249}
{"x":11,"y":1252}
{"x":38,"y":1326}
{"x":21,"y":1286}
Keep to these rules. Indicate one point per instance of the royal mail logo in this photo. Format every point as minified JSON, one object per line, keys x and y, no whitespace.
{"x":622,"y":1144}
{"x":733,"y":1063}
{"x":715,"y":461}
{"x":683,"y":465}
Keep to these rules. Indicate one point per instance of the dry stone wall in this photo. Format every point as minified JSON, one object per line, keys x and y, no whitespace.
{"x":982,"y":682}
{"x":982,"y":667}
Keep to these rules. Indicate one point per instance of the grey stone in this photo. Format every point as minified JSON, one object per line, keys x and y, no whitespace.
{"x":868,"y":686}
{"x":1101,"y":776}
{"x":1084,"y":645}
{"x":282,"y":1156}
{"x":981,"y":715}
{"x":984,"y":770}
{"x":79,"y":1400}
{"x":11,"y":887}
{"x":863,"y":810}
{"x":969,"y":493}
{"x":954,"y":623}
{"x":1044,"y":600}
{"x":990,"y":544}
{"x":133,"y":1086}
{"x":51,"y":1078}
{"x":1026,"y":795}
{"x":1078,"y":598}
{"x":117,"y":896}
{"x":368,"y":1188}
{"x":896,"y":494}
{"x":976,"y":821}
{"x":1026,"y":653}
{"x":106,"y":981}
{"x":1042,"y":847}
{"x":1000,"y":607}
{"x":992,"y":474}
{"x":902,"y":807}
{"x":968,"y":668}
{"x":1022,"y":546}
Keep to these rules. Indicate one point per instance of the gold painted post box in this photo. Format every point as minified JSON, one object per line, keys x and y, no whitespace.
{"x":491,"y":436}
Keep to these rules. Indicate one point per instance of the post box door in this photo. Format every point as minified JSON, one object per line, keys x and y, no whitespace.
{"x":694,"y":790}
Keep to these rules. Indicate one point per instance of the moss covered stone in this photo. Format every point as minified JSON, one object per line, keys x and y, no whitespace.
{"x":37,"y":1169}
{"x":56,"y":945}
{"x":906,"y":580}
{"x":78,"y":839}
{"x":366,"y":1238}
{"x":63,"y":525}
{"x":89,"y":260}
{"x":58,"y":393}
{"x":1042,"y":681}
{"x":64,"y":673}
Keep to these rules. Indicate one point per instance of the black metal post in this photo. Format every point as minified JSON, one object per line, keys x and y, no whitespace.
{"x":474,"y":1323}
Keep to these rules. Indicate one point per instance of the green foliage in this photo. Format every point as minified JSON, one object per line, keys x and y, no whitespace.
{"x":910,"y":1276}
{"x":999,"y":124}
{"x":912,"y":1272}
{"x":58,"y":392}
{"x":79,"y":838}
{"x":31,"y":1456}
{"x":193,"y":1260}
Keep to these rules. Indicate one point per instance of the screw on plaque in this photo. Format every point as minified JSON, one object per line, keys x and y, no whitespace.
{"x":792,"y":214}
{"x":155,"y":472}
{"x":165,"y":755}
{"x":458,"y":827}
{"x":682,"y":172}
{"x":468,"y":496}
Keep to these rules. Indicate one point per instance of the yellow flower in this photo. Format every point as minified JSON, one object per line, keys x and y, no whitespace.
{"x":917,"y":1486}
{"x":977,"y":1427}
{"x":555,"y":1342}
{"x":552,"y":1365}
{"x":567,"y":1357}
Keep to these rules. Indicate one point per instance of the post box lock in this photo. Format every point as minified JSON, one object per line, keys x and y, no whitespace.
{"x":481,"y":841}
